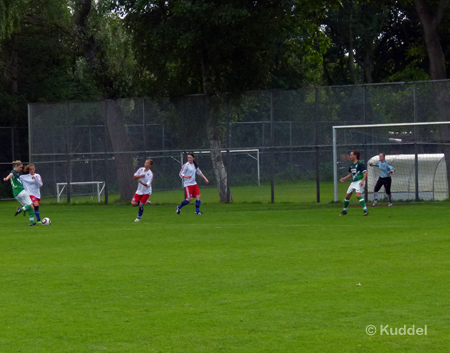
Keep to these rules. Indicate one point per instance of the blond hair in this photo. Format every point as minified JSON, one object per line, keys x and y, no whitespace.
{"x":15,"y":163}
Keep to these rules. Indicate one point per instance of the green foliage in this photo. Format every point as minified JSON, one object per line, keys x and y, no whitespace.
{"x":231,"y":39}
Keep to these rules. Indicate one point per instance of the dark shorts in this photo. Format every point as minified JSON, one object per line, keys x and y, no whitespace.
{"x":386,"y":182}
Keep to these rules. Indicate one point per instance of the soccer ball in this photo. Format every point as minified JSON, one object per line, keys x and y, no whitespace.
{"x":46,"y":221}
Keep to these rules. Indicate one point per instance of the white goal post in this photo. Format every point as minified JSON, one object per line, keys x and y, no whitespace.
{"x":95,"y":188}
{"x":245,"y":151}
{"x":423,"y":160}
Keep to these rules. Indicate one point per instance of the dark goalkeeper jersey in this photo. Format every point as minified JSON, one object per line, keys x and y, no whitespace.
{"x":357,"y":169}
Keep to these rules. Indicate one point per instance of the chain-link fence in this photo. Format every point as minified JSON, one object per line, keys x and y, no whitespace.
{"x":14,"y":146}
{"x":276,"y":137}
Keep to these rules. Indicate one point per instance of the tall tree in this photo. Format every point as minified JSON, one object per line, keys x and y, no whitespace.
{"x":431,"y":14}
{"x":110,"y":65}
{"x":208,"y":47}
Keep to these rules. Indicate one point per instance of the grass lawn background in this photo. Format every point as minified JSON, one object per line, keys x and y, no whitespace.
{"x":241,"y":278}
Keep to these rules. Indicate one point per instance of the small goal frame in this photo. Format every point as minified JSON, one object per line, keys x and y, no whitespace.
{"x":61,"y":186}
{"x":246,"y":151}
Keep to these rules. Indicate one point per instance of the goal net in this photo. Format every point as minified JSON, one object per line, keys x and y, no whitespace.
{"x":415,"y":151}
{"x":82,"y":191}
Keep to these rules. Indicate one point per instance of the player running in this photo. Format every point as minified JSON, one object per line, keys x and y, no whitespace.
{"x":144,"y":176}
{"x":32,"y":183}
{"x":19,"y":192}
{"x":384,"y":180}
{"x":358,"y":171}
{"x":191,"y":189}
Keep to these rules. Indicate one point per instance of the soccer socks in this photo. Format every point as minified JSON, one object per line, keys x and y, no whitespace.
{"x":31,"y":213}
{"x":27,"y":208}
{"x":375,"y":196}
{"x":390,"y":198}
{"x":36,"y":212}
{"x":184,"y":203}
{"x":140,"y":212}
{"x":197,"y":206}
{"x":362,"y":202}
{"x":346,"y":203}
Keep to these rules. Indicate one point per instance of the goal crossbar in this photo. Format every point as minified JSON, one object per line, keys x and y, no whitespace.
{"x":335,"y":166}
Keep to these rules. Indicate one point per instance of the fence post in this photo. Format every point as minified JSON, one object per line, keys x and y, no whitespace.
{"x":316,"y":107}
{"x":272,"y":157}
{"x":105,"y":169}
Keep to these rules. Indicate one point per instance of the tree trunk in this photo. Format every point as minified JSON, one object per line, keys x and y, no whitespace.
{"x":213,"y":133}
{"x":220,"y":172}
{"x":120,"y":143}
{"x":430,"y":24}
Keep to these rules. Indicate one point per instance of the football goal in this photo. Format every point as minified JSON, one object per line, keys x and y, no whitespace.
{"x":87,"y":189}
{"x":413,"y":149}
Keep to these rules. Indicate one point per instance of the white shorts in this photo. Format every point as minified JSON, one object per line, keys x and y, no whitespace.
{"x":23,"y":198}
{"x":355,"y":186}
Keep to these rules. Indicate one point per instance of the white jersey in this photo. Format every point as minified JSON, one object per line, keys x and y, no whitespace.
{"x":146,"y":179}
{"x":32,"y":184}
{"x":189,"y":170}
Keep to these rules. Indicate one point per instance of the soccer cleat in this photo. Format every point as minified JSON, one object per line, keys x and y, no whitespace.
{"x":32,"y":224}
{"x":39,"y":222}
{"x":375,"y":204}
{"x":17,"y":211}
{"x":343,"y":213}
{"x":366,"y":213}
{"x":198,"y":212}
{"x":137,"y":220}
{"x":178,"y":210}
{"x":390,"y":204}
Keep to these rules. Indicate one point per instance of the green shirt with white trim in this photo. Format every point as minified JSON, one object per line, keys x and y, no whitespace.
{"x":357,"y":169}
{"x":16,"y":184}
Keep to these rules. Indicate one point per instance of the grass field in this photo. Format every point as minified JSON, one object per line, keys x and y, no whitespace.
{"x":240,"y":278}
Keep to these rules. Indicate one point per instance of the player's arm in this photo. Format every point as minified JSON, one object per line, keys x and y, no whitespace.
{"x":137,"y":175}
{"x":391,"y":169}
{"x":38,"y":180}
{"x":345,"y":178}
{"x":8,"y":177}
{"x":182,"y":175}
{"x":206,"y":180}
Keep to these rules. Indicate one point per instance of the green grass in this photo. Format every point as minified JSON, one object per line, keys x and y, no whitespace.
{"x":240,"y":278}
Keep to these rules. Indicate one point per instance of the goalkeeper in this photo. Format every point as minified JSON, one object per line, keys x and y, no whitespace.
{"x":384,"y":180}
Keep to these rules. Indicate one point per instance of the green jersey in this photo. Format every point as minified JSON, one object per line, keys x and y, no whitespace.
{"x":357,"y":169}
{"x":16,"y":184}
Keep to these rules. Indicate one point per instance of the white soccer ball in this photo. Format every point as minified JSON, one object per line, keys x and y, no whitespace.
{"x":46,"y":221}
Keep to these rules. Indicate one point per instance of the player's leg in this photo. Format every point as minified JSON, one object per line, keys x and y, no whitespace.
{"x":186,"y":201}
{"x":27,"y":206}
{"x":362,"y":202}
{"x":375,"y":191}
{"x":196,"y":192}
{"x":137,"y":202}
{"x":387,"y":187}
{"x":347,"y":200}
{"x":142,"y":202}
{"x":36,"y":204}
